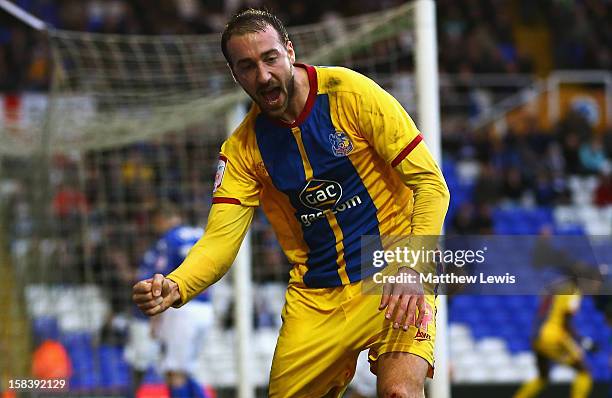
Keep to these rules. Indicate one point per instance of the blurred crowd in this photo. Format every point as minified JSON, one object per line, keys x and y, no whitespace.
{"x":529,"y":168}
{"x":100,"y":201}
{"x":477,"y":36}
{"x":96,"y":225}
{"x":99,"y":204}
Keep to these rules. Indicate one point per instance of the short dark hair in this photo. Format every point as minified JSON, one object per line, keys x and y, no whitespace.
{"x":252,"y":20}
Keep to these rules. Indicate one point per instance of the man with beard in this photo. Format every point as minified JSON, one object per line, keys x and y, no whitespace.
{"x":331,"y":157}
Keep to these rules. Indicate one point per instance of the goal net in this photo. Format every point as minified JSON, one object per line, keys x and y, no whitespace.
{"x":112,"y":90}
{"x":131,"y":121}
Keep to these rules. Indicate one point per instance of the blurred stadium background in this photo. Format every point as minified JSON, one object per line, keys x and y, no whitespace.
{"x":122,"y":104}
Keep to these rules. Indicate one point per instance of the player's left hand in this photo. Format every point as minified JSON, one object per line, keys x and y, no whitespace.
{"x":402,"y":300}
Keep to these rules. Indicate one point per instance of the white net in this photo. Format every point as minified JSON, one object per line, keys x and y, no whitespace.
{"x":130,"y":122}
{"x":110,"y":90}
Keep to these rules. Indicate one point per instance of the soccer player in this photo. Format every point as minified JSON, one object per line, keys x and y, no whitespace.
{"x":179,"y":331}
{"x":331,"y":157}
{"x":557,"y":341}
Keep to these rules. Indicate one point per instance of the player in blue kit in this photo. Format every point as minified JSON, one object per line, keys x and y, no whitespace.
{"x":178,"y":332}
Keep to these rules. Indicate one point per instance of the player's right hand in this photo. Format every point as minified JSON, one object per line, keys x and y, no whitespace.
{"x":403,"y":300}
{"x":155,"y":295}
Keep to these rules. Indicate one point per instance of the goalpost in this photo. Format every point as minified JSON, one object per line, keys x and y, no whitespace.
{"x":118,"y":102}
{"x":426,"y":71}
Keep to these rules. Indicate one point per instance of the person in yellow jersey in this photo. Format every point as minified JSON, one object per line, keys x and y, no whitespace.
{"x":331,"y":157}
{"x":557,"y":341}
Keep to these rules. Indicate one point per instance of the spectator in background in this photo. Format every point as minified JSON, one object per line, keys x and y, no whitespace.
{"x":138,"y":180}
{"x":112,"y":270}
{"x":70,"y":209}
{"x":38,"y":71}
{"x":553,"y":160}
{"x":470,"y":220}
{"x":571,"y":132}
{"x":463,"y":222}
{"x":536,"y":139}
{"x":514,"y":186}
{"x":69,"y":201}
{"x":603,"y":192}
{"x":544,"y":189}
{"x":136,"y":170}
{"x":487,"y":189}
{"x":271,"y":263}
{"x":592,"y":156}
{"x":482,"y":30}
{"x":483,"y":222}
{"x":506,"y":151}
{"x":4,"y":69}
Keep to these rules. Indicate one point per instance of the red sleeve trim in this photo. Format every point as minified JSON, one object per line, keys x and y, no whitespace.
{"x":406,"y":151}
{"x":230,"y":201}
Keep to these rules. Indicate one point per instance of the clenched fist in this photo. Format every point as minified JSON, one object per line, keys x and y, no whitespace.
{"x":155,"y":295}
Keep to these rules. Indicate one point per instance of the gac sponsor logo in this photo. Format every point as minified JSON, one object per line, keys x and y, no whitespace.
{"x":321,"y":194}
{"x":308,"y":219}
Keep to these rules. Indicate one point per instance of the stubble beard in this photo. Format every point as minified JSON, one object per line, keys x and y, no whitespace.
{"x":290,"y":87}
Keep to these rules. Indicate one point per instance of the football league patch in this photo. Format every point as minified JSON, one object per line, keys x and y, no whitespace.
{"x":341,"y":143}
{"x":220,"y":172}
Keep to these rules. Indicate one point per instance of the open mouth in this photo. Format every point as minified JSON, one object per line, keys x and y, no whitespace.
{"x":271,"y":96}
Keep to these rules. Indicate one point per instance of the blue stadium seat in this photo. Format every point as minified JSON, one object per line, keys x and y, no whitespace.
{"x":569,"y":229}
{"x":587,"y":302}
{"x":114,"y":370}
{"x":500,"y":318}
{"x":45,"y":327}
{"x":76,"y":339}
{"x":491,"y":301}
{"x":516,"y":220}
{"x":482,"y":330}
{"x":525,"y":319}
{"x":462,"y":302}
{"x":518,"y":344}
{"x":85,"y":381}
{"x":449,"y":168}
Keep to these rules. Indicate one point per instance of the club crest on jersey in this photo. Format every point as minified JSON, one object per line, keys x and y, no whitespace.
{"x":321,"y":194}
{"x":341,"y":143}
{"x":220,"y":172}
